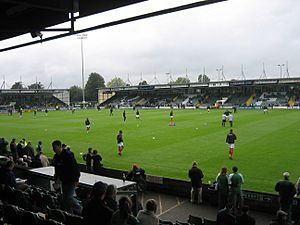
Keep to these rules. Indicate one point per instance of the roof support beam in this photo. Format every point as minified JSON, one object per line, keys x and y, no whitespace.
{"x":118,"y":22}
{"x":60,"y":6}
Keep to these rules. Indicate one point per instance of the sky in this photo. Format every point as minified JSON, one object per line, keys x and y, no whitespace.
{"x":231,"y":34}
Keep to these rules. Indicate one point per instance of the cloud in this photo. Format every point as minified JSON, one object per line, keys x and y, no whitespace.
{"x":228,"y":34}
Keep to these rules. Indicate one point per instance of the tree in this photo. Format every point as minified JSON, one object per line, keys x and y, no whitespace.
{"x":75,"y":94}
{"x":143,"y":82}
{"x":95,"y":81}
{"x":182,"y":80}
{"x":203,"y":78}
{"x":38,"y":85}
{"x":17,"y":85}
{"x":116,"y":82}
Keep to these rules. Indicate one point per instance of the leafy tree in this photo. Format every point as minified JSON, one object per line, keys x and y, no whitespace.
{"x":116,"y":82}
{"x":203,"y":78}
{"x":95,"y":81}
{"x":38,"y":85}
{"x":182,"y":80}
{"x":18,"y":85}
{"x":75,"y":94}
{"x":143,"y":82}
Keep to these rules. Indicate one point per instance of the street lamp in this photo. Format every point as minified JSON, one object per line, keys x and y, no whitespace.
{"x":280,"y":67}
{"x":82,"y":37}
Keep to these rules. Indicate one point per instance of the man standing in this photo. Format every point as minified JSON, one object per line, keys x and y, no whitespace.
{"x":66,"y":173}
{"x":13,"y":149}
{"x":120,"y":142}
{"x":235,"y":181}
{"x":230,"y":139}
{"x":224,"y":118}
{"x":286,"y":191}
{"x":196,"y":175}
{"x":39,"y":147}
{"x":87,"y":125}
{"x":137,"y":114}
{"x":87,"y":157}
{"x":222,"y":187}
{"x":111,"y":111}
{"x":124,"y":116}
{"x":171,"y":116}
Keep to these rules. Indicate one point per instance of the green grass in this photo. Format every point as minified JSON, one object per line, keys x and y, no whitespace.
{"x":267,"y":145}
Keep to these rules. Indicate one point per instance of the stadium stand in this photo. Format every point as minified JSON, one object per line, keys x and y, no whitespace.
{"x":29,"y":98}
{"x":282,"y":92}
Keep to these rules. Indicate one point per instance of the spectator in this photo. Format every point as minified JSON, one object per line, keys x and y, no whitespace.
{"x":20,"y":147}
{"x":111,"y":196}
{"x":124,"y":215}
{"x":286,"y":191}
{"x":96,"y":161}
{"x":39,"y":148}
{"x":13,"y":149}
{"x":87,"y":157}
{"x":44,"y":160}
{"x":222,"y":188}
{"x":95,"y":210}
{"x":136,"y":204}
{"x":137,"y":174}
{"x":235,"y":181}
{"x":36,"y":162}
{"x":66,"y":173}
{"x":281,"y":219}
{"x":225,"y":216}
{"x":147,"y":216}
{"x":245,"y":219}
{"x":3,"y":146}
{"x":8,"y":177}
{"x":29,"y":150}
{"x":196,"y":175}
{"x":298,"y":187}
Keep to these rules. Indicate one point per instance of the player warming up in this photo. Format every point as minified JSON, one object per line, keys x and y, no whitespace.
{"x":124,"y":116}
{"x":87,"y":125}
{"x":120,"y":142}
{"x":137,"y":114}
{"x":230,"y":139}
{"x":171,"y":116}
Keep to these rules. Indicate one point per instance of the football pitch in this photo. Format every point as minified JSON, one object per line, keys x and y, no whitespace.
{"x":266,"y":146}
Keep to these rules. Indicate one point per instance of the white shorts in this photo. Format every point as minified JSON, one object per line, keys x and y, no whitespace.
{"x":120,"y":144}
{"x":88,"y":126}
{"x":137,"y":116}
{"x":171,"y":117}
{"x":231,"y":145}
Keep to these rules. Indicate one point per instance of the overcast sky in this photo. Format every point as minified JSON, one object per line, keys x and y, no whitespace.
{"x":228,"y":34}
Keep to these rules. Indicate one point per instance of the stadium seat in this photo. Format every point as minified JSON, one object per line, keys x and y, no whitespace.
{"x":11,"y":215}
{"x":73,"y":219}
{"x":181,"y":223}
{"x":50,"y":222}
{"x":22,"y":199}
{"x":165,"y":222}
{"x":57,"y":215}
{"x":28,"y":218}
{"x":36,"y":199}
{"x":209,"y":222}
{"x":195,"y":220}
{"x":8,"y":195}
{"x":49,"y":201}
